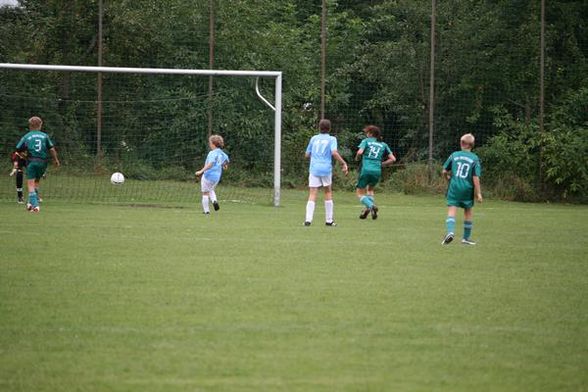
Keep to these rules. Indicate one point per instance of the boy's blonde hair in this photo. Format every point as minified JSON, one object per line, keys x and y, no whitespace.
{"x":217,"y":140}
{"x":35,"y":123}
{"x":468,"y":139}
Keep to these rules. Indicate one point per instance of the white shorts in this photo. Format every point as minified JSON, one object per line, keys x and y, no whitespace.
{"x":318,"y":181}
{"x":207,"y":185}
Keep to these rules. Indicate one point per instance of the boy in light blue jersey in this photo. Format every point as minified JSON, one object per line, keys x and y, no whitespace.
{"x":463,"y":171}
{"x":321,"y":149}
{"x":216,"y":161}
{"x":39,"y":148}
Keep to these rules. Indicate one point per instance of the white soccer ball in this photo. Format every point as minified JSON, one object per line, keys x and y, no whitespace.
{"x":117,"y":178}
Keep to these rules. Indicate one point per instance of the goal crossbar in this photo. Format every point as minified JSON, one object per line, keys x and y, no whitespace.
{"x":277,"y":107}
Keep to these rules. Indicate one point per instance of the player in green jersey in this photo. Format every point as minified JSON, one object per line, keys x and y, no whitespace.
{"x":463,"y":171}
{"x":38,"y":146}
{"x":372,"y":151}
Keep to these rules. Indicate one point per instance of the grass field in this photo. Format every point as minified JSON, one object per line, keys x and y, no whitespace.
{"x":127,"y":298}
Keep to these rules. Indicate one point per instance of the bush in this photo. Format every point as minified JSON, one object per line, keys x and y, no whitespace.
{"x":521,"y":163}
{"x":416,"y":178}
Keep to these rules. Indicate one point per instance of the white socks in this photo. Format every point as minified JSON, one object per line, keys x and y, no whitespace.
{"x":309,"y":211}
{"x":328,"y":211}
{"x":205,"y":205}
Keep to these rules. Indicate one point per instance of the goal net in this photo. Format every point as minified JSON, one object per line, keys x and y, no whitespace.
{"x":152,"y":125}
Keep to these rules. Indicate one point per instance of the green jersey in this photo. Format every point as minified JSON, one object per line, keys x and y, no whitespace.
{"x":373,"y":152}
{"x":37,"y":144}
{"x":464,"y":166}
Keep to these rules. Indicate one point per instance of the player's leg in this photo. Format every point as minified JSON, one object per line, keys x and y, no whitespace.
{"x":364,"y":200}
{"x":37,"y":185}
{"x":329,"y":205}
{"x":213,"y":199}
{"x":370,"y":194}
{"x":450,"y":225}
{"x":310,"y":204}
{"x":19,"y":184}
{"x":33,"y":171}
{"x":468,"y":215}
{"x":205,"y":187}
{"x":33,"y":204}
{"x":314,"y":183}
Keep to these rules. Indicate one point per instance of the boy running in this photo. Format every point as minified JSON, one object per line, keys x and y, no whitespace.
{"x":38,"y":146}
{"x":321,"y":149}
{"x":211,"y":173}
{"x":372,"y":150}
{"x":463,"y":171}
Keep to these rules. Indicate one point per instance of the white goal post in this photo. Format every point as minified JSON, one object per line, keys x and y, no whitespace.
{"x":277,"y":107}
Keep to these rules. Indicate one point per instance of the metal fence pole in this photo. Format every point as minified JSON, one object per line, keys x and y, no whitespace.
{"x":432,"y":86}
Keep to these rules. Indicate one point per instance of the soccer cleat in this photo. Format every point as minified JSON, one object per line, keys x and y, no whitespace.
{"x":29,"y":206}
{"x":448,"y":238}
{"x":374,"y":210}
{"x":20,"y":200}
{"x":332,"y":224}
{"x":206,"y":213}
{"x":364,"y":213}
{"x":467,"y":241}
{"x":35,"y":209}
{"x":215,"y":205}
{"x":307,"y":223}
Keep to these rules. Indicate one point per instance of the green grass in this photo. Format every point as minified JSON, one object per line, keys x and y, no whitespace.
{"x":120,"y":298}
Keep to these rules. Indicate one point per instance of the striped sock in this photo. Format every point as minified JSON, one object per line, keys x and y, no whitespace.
{"x":33,"y":199}
{"x":366,"y":201}
{"x":467,"y":229}
{"x":450,"y":224}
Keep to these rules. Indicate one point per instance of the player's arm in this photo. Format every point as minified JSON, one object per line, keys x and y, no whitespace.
{"x":205,"y":168}
{"x":358,"y":154}
{"x":391,"y":159}
{"x":447,"y":168}
{"x":339,"y":158}
{"x":53,"y":153}
{"x":477,"y":188}
{"x":14,"y":158}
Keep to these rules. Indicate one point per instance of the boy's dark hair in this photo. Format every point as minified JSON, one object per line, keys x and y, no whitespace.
{"x":373,"y":130}
{"x":325,"y":125}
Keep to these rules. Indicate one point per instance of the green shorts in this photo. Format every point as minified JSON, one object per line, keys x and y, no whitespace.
{"x":368,"y":179}
{"x":460,"y":203}
{"x":36,"y":169}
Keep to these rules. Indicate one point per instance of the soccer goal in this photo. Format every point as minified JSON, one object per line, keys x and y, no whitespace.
{"x":151,"y":124}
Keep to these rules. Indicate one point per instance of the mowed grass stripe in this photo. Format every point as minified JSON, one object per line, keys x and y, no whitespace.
{"x":107,"y":297}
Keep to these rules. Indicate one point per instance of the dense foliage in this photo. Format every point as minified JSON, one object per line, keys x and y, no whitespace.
{"x":487,"y":82}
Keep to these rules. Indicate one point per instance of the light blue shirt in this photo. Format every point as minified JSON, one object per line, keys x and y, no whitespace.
{"x":218,"y":158}
{"x":321,"y":149}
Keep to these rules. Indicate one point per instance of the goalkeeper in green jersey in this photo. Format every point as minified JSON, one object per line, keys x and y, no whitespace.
{"x":371,"y":151}
{"x":463,"y":171}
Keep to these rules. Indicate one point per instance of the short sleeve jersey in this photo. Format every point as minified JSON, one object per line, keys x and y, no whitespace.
{"x":373,"y":152}
{"x":37,"y":144}
{"x":321,"y":149}
{"x":464,"y":165}
{"x":218,"y":158}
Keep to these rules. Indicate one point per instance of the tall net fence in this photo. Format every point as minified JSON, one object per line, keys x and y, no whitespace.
{"x":379,"y":63}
